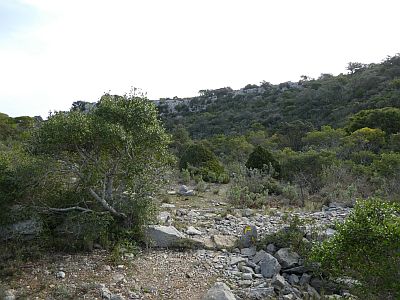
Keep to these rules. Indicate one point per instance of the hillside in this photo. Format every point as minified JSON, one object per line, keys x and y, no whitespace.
{"x":326,"y":100}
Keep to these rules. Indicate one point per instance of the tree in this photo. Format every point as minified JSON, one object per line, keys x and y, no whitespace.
{"x":107,"y":159}
{"x":366,"y":139}
{"x":387,"y":119}
{"x":262,"y":159}
{"x":180,"y":139}
{"x":291,"y":133}
{"x":326,"y":138}
{"x":200,"y":160}
{"x":355,"y":66}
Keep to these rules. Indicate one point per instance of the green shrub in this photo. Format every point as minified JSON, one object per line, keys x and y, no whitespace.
{"x":200,"y":160}
{"x":366,"y":248}
{"x":185,"y":176}
{"x":291,"y":236}
{"x":388,"y":165}
{"x":262,"y":159}
{"x":387,"y":119}
{"x":250,"y":188}
{"x":305,"y":168}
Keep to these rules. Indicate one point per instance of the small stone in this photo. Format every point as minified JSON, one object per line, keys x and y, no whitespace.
{"x":117,"y":297}
{"x":269,"y":266}
{"x":247,"y":276}
{"x":248,"y":251}
{"x":246,"y":269}
{"x":271,"y":248}
{"x":220,"y":291}
{"x":260,"y":255}
{"x":105,"y":292}
{"x":9,"y":295}
{"x":293,"y":279}
{"x":234,"y":260}
{"x":261,"y":293}
{"x":60,"y":274}
{"x":184,"y":191}
{"x":118,"y":277}
{"x":287,"y":258}
{"x":305,"y":279}
{"x":278,"y":282}
{"x":251,"y":264}
{"x":193,"y":231}
{"x":164,"y":217}
{"x":107,"y":268}
{"x":247,"y":212}
{"x":297,"y":270}
{"x":313,"y":293}
{"x":249,"y":236}
{"x":244,"y":283}
{"x":316,"y":283}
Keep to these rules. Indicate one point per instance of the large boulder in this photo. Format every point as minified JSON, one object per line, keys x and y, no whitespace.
{"x":287,"y":258}
{"x":204,"y":242}
{"x":224,"y":241}
{"x":220,"y":291}
{"x":269,"y":266}
{"x":24,"y":230}
{"x":163,"y":236}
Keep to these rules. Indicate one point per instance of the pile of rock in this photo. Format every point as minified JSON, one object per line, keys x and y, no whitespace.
{"x":272,"y":274}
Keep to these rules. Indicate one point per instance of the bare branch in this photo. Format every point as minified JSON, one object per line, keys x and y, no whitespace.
{"x":67,"y":209}
{"x":105,"y":205}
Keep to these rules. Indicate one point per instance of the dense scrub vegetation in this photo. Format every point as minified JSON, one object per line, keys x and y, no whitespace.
{"x":366,"y":248}
{"x":89,"y":175}
{"x":290,"y":108}
{"x":335,"y":138}
{"x":85,"y":176}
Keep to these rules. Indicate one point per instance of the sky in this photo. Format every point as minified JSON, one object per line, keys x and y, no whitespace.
{"x":55,"y":52}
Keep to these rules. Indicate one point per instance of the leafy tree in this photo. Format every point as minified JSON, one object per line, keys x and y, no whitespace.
{"x":354,"y":67}
{"x":262,"y":159}
{"x":107,"y":160}
{"x":7,"y":127}
{"x":366,"y":248}
{"x":293,"y":132}
{"x":387,"y":119}
{"x":305,"y":168}
{"x":230,"y":149}
{"x":388,"y":164}
{"x":180,"y":139}
{"x":326,"y":138}
{"x":366,"y":139}
{"x":201,"y":161}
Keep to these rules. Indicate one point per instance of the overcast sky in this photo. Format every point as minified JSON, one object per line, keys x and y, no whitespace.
{"x":54,"y":52}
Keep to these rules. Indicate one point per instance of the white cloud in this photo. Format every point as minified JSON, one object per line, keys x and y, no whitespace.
{"x":81,"y":49}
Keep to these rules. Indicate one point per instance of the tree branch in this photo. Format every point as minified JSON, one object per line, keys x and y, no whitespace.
{"x":67,"y":209}
{"x":105,"y":205}
{"x":70,"y":209}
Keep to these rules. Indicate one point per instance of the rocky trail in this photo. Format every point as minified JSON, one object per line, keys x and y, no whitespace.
{"x":213,"y":268}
